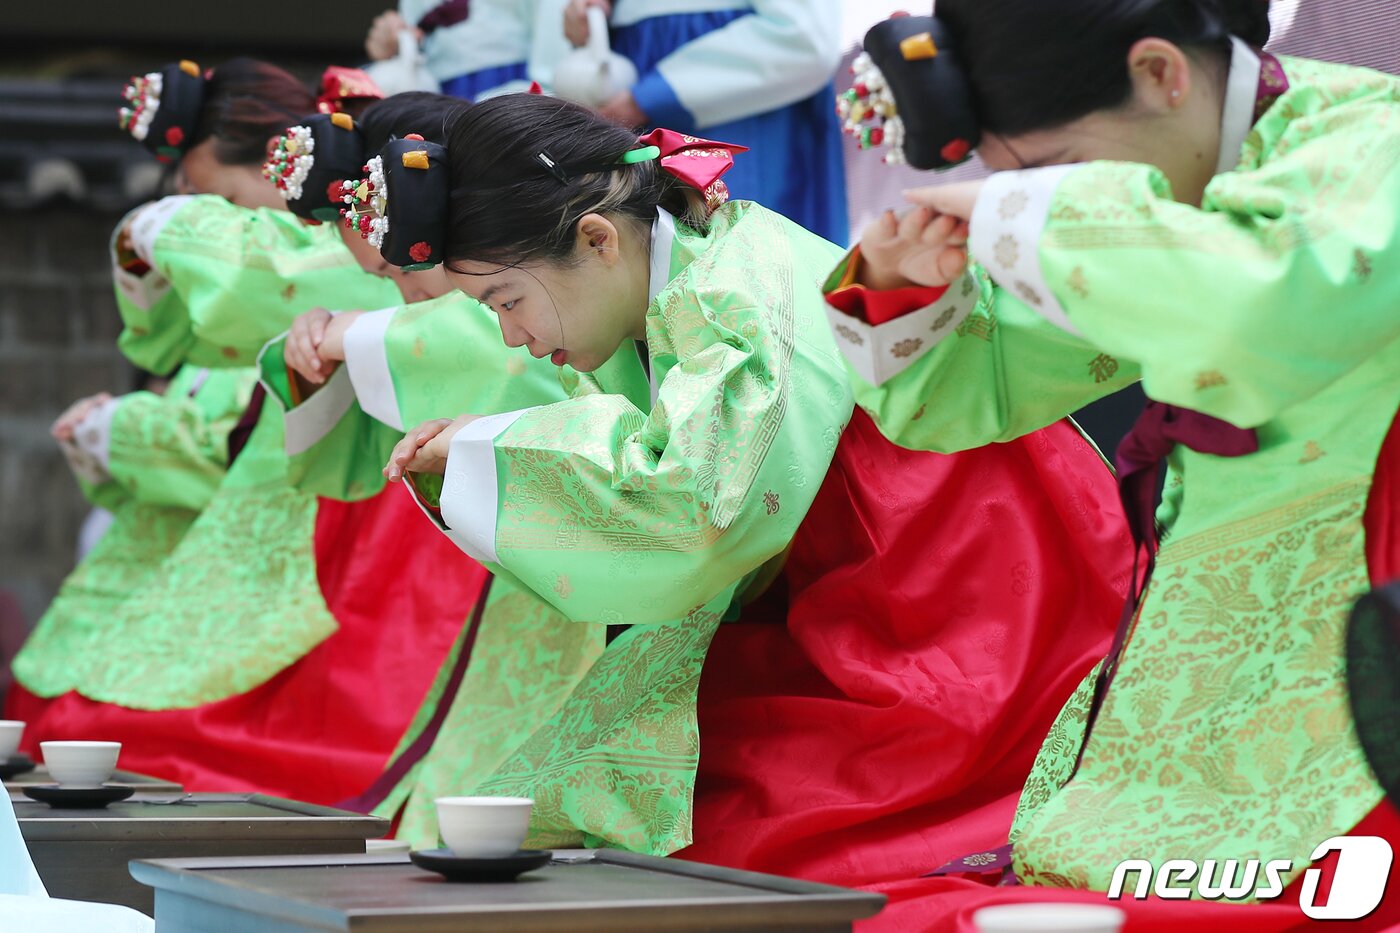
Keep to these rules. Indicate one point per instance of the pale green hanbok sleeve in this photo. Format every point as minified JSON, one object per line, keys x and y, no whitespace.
{"x":975,"y":367}
{"x":223,"y":280}
{"x":620,"y":515}
{"x":1283,"y":280}
{"x":333,"y":448}
{"x":403,"y":366}
{"x":168,"y":450}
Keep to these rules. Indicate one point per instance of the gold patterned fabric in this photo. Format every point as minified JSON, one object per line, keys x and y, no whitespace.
{"x":621,"y":512}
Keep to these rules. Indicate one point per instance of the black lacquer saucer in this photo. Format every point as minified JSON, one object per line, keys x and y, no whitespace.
{"x":503,"y":868}
{"x":78,"y":798}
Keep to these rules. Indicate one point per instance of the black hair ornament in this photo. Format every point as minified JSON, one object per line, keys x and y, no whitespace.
{"x":311,"y":162}
{"x":163,"y":108}
{"x":401,"y":206}
{"x":911,"y":94}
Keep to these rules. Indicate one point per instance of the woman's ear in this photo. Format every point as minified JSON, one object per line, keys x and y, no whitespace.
{"x":596,"y":234}
{"x":1161,"y":74}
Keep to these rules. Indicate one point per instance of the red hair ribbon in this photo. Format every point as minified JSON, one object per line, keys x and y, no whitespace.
{"x":339,"y":85}
{"x":696,"y":162}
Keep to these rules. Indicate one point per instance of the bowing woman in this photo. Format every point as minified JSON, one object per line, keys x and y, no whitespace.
{"x":1181,"y":208}
{"x":283,"y":644}
{"x":351,"y":381}
{"x":897,"y":622}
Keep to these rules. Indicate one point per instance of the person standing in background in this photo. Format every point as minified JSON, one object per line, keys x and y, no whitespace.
{"x":757,"y":73}
{"x":493,"y":47}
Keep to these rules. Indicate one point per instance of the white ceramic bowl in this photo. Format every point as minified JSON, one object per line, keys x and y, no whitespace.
{"x":81,"y":764}
{"x":483,"y":827}
{"x":10,"y":732}
{"x":1049,"y":918}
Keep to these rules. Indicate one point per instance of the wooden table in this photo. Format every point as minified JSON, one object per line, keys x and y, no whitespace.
{"x":83,"y":854}
{"x":142,"y":782}
{"x":619,"y":892}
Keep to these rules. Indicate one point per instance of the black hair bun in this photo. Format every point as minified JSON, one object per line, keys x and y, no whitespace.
{"x":1248,"y":19}
{"x":416,"y":192}
{"x":163,"y":108}
{"x":311,"y":162}
{"x":910,"y":83}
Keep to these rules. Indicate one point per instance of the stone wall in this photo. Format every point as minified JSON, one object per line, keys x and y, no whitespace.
{"x":58,"y":330}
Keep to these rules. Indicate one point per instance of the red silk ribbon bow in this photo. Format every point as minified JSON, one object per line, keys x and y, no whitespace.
{"x":339,"y":85}
{"x":696,"y":162}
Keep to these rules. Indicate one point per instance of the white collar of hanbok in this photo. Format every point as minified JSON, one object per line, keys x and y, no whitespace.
{"x":663,"y":237}
{"x":1241,"y":93}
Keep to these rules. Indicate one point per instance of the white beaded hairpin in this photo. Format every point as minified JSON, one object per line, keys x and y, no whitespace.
{"x":367,"y":204}
{"x":143,"y":97}
{"x":291,"y":161}
{"x":867,"y":111}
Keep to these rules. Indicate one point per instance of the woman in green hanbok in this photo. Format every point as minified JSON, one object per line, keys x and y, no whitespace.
{"x":833,"y":658}
{"x":285,"y":643}
{"x":1224,"y":225}
{"x":154,"y":461}
{"x":350,"y":381}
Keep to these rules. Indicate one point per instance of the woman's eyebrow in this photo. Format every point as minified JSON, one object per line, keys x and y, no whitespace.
{"x":492,"y":290}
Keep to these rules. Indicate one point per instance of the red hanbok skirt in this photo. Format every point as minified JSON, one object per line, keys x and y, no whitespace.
{"x":877,"y":712}
{"x":878,"y":736}
{"x":322,"y":729}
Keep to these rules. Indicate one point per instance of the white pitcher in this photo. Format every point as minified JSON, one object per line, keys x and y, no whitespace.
{"x":594,"y":74}
{"x":405,"y":71}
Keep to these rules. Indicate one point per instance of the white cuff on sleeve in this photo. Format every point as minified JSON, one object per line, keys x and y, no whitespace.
{"x":470,"y":495}
{"x":94,"y":433}
{"x":89,"y":453}
{"x":308,"y":423}
{"x":143,"y":291}
{"x":368,"y":363}
{"x":1007,"y":224}
{"x":879,"y":352}
{"x":147,"y":222}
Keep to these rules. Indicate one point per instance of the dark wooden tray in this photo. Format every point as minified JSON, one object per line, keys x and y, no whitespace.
{"x":607,"y":889}
{"x":83,"y":854}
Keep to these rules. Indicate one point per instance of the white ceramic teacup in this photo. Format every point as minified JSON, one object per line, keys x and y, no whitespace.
{"x":10,"y":732}
{"x":483,"y":827}
{"x":1049,"y":917}
{"x":81,"y":764}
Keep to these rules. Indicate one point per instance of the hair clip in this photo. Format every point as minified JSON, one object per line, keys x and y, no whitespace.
{"x":644,"y":154}
{"x":546,"y":161}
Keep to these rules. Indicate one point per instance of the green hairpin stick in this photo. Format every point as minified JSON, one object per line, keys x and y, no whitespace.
{"x":644,"y":154}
